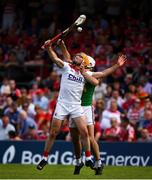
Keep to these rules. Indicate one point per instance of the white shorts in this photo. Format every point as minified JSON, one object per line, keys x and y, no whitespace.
{"x":63,"y":110}
{"x":88,"y":112}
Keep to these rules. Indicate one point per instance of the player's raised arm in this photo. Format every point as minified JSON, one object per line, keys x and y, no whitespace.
{"x":54,"y":57}
{"x":121,"y":61}
{"x":92,"y":80}
{"x":65,"y":52}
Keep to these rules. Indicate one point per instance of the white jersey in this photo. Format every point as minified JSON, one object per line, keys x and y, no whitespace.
{"x":71,"y":86}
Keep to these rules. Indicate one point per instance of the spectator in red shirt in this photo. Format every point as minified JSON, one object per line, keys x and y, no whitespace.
{"x":112,"y":133}
{"x":40,"y":117}
{"x":129,"y":100}
{"x":127,"y":131}
{"x":110,"y":113}
{"x":134,"y":112}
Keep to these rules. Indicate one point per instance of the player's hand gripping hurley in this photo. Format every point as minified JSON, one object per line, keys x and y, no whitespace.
{"x":80,"y":20}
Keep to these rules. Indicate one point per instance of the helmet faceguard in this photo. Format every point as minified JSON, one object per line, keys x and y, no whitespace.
{"x":88,"y":61}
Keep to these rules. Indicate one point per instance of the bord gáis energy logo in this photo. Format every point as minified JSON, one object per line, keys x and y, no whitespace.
{"x":9,"y":155}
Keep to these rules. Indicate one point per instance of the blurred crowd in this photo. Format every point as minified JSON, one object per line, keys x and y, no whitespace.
{"x":122,"y":101}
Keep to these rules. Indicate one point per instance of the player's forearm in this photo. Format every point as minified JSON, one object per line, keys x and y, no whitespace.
{"x":54,"y":57}
{"x":65,"y":52}
{"x":52,"y":54}
{"x":110,"y":70}
{"x":90,"y":79}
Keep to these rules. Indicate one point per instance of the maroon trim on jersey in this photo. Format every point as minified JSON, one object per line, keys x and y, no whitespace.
{"x":74,"y":67}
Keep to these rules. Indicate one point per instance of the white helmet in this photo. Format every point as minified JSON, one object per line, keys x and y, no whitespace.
{"x":91,"y":62}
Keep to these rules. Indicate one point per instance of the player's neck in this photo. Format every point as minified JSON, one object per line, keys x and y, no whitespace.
{"x":75,"y":67}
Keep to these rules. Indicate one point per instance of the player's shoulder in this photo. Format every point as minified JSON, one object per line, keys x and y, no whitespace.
{"x":89,"y":72}
{"x":66,"y":65}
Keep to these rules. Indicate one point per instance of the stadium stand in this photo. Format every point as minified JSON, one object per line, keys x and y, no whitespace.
{"x":29,"y":82}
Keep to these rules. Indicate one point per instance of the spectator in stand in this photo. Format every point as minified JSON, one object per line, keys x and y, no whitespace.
{"x":15,"y":92}
{"x":13,"y":136}
{"x":27,"y":41}
{"x":108,"y":94}
{"x":41,"y":100}
{"x":34,"y":48}
{"x":5,"y":127}
{"x":141,"y":94}
{"x":25,"y":122}
{"x":21,"y":53}
{"x":127,"y":131}
{"x":33,"y":28}
{"x":31,"y":107}
{"x":5,"y":88}
{"x":146,"y":122}
{"x":41,"y":117}
{"x":13,"y":113}
{"x":22,"y":99}
{"x":3,"y":103}
{"x":112,"y":133}
{"x":31,"y":133}
{"x":38,"y":81}
{"x":129,"y":100}
{"x":116,"y":96}
{"x":43,"y":134}
{"x":99,"y":107}
{"x":50,"y":80}
{"x":117,"y":76}
{"x":9,"y":14}
{"x":26,"y":107}
{"x":109,"y":113}
{"x":53,"y":26}
{"x":132,"y":89}
{"x":145,"y":136}
{"x":11,"y":61}
{"x":148,"y":86}
{"x":147,"y":106}
{"x":1,"y":52}
{"x":117,"y":87}
{"x":12,"y":39}
{"x":8,"y":103}
{"x":100,"y":90}
{"x":134,"y":112}
{"x":127,"y":82}
{"x":33,"y":89}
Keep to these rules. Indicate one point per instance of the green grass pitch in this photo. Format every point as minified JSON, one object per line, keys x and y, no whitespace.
{"x":17,"y":171}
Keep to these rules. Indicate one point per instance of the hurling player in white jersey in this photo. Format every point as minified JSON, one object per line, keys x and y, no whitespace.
{"x":86,"y":102}
{"x":69,"y":103}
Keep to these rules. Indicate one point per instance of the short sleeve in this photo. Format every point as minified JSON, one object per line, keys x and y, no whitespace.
{"x":65,"y":67}
{"x":89,"y":73}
